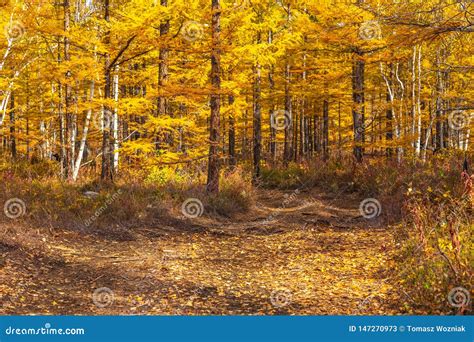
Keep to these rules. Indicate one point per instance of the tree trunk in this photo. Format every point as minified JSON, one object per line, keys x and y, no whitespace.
{"x":12,"y":126}
{"x":288,"y":111}
{"x":272,"y":105}
{"x":69,"y":136}
{"x":325,"y":130}
{"x":257,"y":120}
{"x":389,"y":112}
{"x":358,"y":99}
{"x":439,"y":105}
{"x":163,"y":64}
{"x":232,"y":159}
{"x":106,"y":169}
{"x":418,"y":107}
{"x":115,"y":123}
{"x":82,"y":146}
{"x":213,"y":165}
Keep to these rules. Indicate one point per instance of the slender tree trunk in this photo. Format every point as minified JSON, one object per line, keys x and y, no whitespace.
{"x":82,"y":146}
{"x":244,"y":133}
{"x":12,"y":126}
{"x":257,"y":118}
{"x":213,"y":165}
{"x":106,"y":169}
{"x":295,"y":128}
{"x":69,"y":136}
{"x":232,"y":158}
{"x":400,"y":120}
{"x":115,"y":123}
{"x":163,"y":64}
{"x":288,"y":111}
{"x":325,"y":130}
{"x":28,"y":121}
{"x":339,"y":133}
{"x":389,"y":113}
{"x":358,"y":69}
{"x":439,"y":104}
{"x":418,"y":107}
{"x":272,"y":105}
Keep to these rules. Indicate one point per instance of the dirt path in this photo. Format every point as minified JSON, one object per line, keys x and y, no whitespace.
{"x":294,"y":253}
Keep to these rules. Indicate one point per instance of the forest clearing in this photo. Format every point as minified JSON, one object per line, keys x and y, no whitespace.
{"x":298,"y":267}
{"x":244,"y":157}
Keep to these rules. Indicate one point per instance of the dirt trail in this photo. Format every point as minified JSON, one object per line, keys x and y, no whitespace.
{"x":294,"y":253}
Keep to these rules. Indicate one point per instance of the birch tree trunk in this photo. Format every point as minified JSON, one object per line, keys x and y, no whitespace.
{"x":399,"y":121}
{"x":82,"y":146}
{"x":418,"y":107}
{"x":288,"y":111}
{"x":115,"y":122}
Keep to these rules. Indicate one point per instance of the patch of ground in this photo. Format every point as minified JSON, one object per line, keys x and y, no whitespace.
{"x":300,"y":253}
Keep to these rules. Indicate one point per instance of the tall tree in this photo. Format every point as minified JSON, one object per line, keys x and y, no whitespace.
{"x":214,"y":129}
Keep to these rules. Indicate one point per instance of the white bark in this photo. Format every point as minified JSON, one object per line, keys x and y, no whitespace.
{"x":398,"y":129}
{"x":115,"y":119}
{"x":418,"y":138}
{"x":466,"y":139}
{"x":77,"y":166}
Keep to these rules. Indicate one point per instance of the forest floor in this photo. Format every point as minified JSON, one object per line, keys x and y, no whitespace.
{"x":304,"y":253}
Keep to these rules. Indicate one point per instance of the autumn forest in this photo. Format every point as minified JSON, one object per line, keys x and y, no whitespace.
{"x":195,"y":157}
